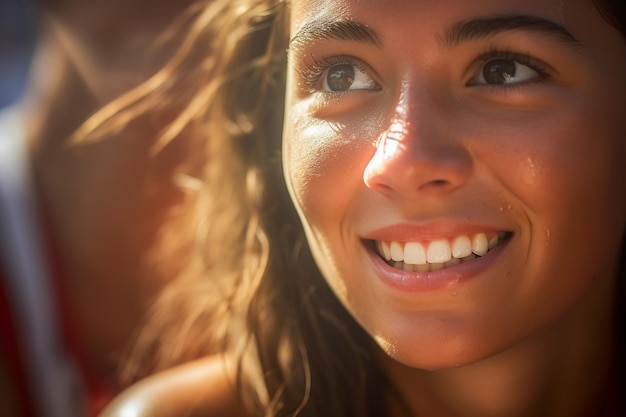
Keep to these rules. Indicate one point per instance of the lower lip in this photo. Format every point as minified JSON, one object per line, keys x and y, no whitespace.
{"x":446,"y":278}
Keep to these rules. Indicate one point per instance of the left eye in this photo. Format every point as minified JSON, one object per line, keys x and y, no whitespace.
{"x":504,"y":71}
{"x":346,"y":77}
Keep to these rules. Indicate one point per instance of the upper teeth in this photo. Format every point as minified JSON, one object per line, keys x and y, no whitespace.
{"x":439,"y":251}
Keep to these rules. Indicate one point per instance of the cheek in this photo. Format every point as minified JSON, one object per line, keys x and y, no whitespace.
{"x":307,"y":162}
{"x":565,"y":175}
{"x":324,"y":166}
{"x":560,"y":162}
{"x":584,"y":190}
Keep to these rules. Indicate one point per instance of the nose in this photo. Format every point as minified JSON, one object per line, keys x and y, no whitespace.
{"x":418,"y":154}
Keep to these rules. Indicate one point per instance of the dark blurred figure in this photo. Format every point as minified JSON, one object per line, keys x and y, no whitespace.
{"x":17,"y":41}
{"x":91,"y":231}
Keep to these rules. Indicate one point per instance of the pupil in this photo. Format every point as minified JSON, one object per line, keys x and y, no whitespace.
{"x":340,"y":77}
{"x":499,"y":71}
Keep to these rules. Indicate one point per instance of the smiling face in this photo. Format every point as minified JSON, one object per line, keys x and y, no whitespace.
{"x":459,"y":167}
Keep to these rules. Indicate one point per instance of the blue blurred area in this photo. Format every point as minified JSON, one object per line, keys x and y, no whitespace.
{"x":18,"y":28}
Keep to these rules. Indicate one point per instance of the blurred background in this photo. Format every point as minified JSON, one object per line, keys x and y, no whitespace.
{"x":18,"y":27}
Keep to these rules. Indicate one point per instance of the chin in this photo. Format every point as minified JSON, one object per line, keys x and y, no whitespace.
{"x":436,"y":356}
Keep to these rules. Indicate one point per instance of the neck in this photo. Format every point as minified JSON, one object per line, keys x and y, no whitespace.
{"x":561,"y":371}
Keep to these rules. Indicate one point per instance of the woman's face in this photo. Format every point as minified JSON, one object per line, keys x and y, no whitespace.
{"x":459,"y":166}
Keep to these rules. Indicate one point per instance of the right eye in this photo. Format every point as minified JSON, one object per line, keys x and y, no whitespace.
{"x":347,"y":77}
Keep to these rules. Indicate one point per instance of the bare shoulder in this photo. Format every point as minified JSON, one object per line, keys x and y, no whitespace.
{"x":203,"y":388}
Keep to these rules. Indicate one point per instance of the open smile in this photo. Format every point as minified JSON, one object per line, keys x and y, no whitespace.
{"x":438,"y":254}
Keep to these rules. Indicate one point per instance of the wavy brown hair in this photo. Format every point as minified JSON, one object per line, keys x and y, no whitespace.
{"x":209,"y":90}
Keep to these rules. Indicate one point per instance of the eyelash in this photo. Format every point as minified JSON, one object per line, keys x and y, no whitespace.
{"x":544,"y":71}
{"x":312,"y":74}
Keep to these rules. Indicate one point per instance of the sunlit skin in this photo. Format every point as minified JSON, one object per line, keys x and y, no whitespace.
{"x":422,"y":147}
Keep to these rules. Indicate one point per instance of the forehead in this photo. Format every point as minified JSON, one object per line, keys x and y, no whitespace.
{"x":432,"y":14}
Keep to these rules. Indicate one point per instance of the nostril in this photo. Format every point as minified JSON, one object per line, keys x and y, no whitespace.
{"x":434,"y":185}
{"x":379,"y":187}
{"x":438,"y":183}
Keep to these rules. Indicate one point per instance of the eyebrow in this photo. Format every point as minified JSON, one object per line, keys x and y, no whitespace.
{"x":343,"y":30}
{"x":465,"y":31}
{"x":474,"y":29}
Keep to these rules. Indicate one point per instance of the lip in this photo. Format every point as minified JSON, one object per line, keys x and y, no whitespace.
{"x":413,"y":282}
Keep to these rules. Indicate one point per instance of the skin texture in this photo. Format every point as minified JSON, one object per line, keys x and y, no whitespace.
{"x":422,"y":145}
